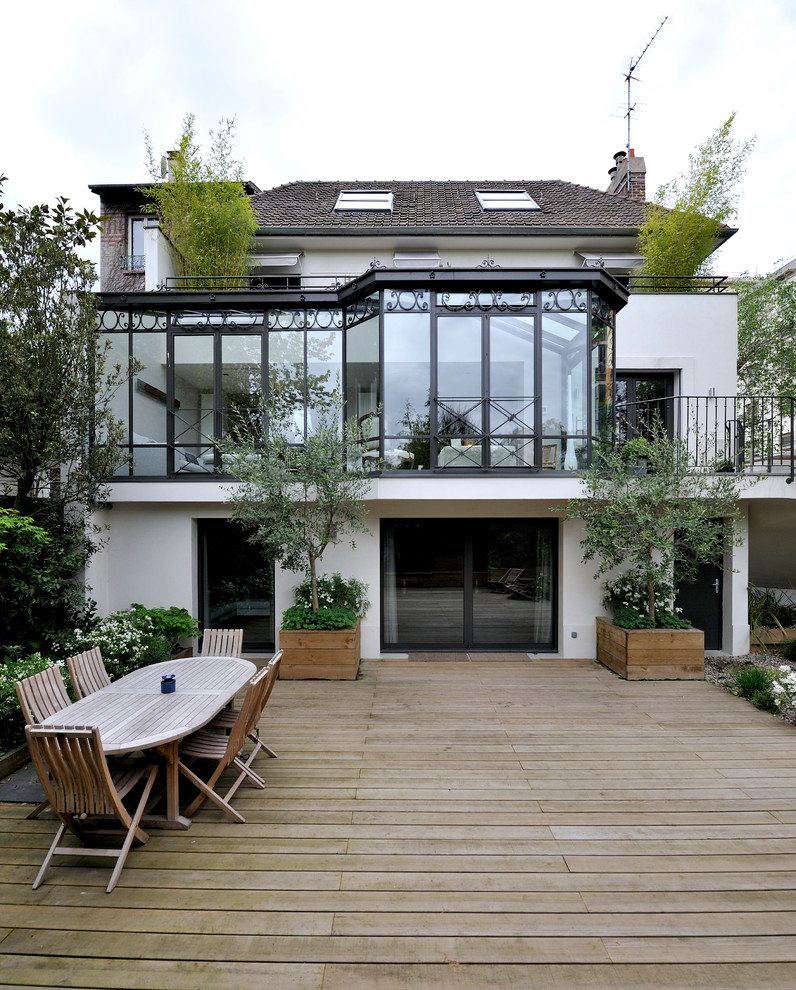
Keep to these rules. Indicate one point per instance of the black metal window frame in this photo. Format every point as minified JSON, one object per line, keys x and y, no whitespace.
{"x":378,"y":292}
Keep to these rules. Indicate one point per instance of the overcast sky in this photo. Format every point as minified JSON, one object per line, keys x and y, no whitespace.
{"x":416,"y":89}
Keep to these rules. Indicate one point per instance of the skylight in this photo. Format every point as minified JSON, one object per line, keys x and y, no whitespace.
{"x":364,"y":199}
{"x":505,"y":199}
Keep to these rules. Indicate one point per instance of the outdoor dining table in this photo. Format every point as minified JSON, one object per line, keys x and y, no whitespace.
{"x":133,"y":714}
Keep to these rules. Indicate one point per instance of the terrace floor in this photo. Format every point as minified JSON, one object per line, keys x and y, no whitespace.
{"x":454,"y":826}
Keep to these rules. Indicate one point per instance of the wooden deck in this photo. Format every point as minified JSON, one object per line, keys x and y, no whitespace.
{"x":454,"y":826}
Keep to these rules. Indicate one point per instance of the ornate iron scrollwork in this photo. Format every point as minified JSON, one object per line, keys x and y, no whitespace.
{"x":485,"y":300}
{"x":412,"y":300}
{"x":362,"y":310}
{"x":565,"y":300}
{"x":601,"y":310}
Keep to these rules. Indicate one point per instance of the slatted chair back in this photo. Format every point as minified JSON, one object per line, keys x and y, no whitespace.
{"x":273,"y":673}
{"x":87,"y":672}
{"x":249,"y":713}
{"x":42,"y":695}
{"x":227,"y":750}
{"x":74,"y":772}
{"x":222,"y":643}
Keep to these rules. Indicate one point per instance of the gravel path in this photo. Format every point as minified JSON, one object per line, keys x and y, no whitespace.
{"x":718,"y":670}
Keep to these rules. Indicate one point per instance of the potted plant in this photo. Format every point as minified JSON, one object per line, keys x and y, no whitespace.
{"x":660,"y":526}
{"x":636,"y":454}
{"x":297,"y":499}
{"x":324,"y":643}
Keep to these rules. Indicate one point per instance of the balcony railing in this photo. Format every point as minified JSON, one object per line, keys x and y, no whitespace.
{"x":678,"y":283}
{"x":749,"y":434}
{"x":262,"y":282}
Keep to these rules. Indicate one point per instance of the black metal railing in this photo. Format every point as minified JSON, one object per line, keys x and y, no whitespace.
{"x":678,"y":283}
{"x":262,"y":282}
{"x":749,"y":434}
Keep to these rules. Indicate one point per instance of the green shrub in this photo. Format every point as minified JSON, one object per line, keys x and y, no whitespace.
{"x":172,"y":623}
{"x":754,"y":684}
{"x":302,"y":617}
{"x":41,"y":597}
{"x":335,"y":591}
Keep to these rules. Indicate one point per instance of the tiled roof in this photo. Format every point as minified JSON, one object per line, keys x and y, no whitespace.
{"x":440,"y":205}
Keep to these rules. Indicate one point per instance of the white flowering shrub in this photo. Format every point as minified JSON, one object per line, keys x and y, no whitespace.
{"x":127,"y":640}
{"x":783,"y":686}
{"x":626,"y":598}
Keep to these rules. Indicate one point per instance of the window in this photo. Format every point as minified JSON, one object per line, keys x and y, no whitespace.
{"x":505,"y":199}
{"x":364,"y":199}
{"x":135,"y":244}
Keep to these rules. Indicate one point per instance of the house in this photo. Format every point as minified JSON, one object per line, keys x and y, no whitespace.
{"x":485,"y":334}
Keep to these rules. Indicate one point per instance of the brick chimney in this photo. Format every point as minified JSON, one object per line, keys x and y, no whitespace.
{"x":628,"y":166}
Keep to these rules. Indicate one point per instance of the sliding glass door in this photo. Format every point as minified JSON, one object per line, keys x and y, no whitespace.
{"x":468,"y":584}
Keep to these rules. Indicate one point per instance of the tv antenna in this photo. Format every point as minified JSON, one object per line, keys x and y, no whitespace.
{"x":628,"y":77}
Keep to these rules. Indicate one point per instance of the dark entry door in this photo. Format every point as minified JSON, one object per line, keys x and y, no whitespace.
{"x":701,"y":601}
{"x":461,"y":584}
{"x":236,"y":584}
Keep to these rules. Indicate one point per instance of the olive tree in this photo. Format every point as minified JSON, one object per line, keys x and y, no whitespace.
{"x":298,"y":496}
{"x":667,"y":521}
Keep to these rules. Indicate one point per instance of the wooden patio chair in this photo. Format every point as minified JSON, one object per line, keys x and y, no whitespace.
{"x":222,"y":643}
{"x":40,"y":696}
{"x":87,"y":672}
{"x":85,"y":794}
{"x":226,"y":718}
{"x":226,"y":750}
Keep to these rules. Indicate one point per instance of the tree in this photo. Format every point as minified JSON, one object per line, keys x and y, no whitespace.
{"x":202,"y":204}
{"x":681,"y":226}
{"x":767,"y":337}
{"x":58,"y":435}
{"x":299,"y":498}
{"x":666,"y":522}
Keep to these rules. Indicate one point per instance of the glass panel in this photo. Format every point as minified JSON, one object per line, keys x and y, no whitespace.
{"x":118,"y":352}
{"x":149,"y":404}
{"x":455,"y":584}
{"x":602,"y":382}
{"x":241,"y":381}
{"x":460,"y":417}
{"x":193,"y":405}
{"x":286,"y":380}
{"x":512,"y":402}
{"x":324,"y":371}
{"x":564,"y":387}
{"x":513,"y":583}
{"x":423,"y":582}
{"x":407,"y":371}
{"x":237,"y":584}
{"x":362,"y":384}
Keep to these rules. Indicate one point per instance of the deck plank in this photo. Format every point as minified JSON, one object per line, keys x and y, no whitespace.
{"x":517,"y":825}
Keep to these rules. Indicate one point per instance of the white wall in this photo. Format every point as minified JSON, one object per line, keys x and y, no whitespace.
{"x":693,"y":334}
{"x":158,"y":255}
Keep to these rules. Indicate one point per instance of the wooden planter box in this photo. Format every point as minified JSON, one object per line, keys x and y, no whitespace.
{"x":320,"y":653}
{"x":771,"y":637}
{"x":651,"y":654}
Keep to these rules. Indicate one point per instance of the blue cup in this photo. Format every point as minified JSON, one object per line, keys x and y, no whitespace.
{"x":168,"y":683}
